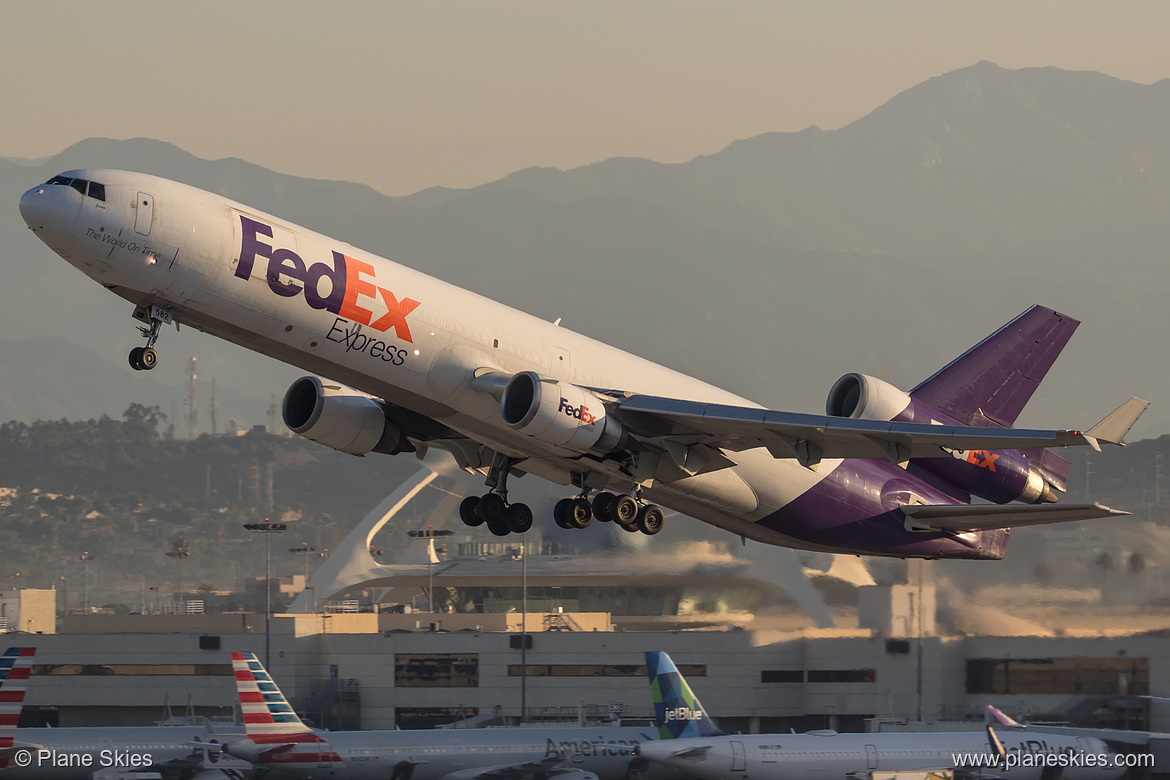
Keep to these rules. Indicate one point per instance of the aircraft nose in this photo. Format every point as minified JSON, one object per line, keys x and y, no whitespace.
{"x":35,"y":205}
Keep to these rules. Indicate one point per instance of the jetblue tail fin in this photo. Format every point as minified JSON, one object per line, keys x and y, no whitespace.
{"x":989,"y":385}
{"x":15,"y":664}
{"x":267,"y":715}
{"x":677,"y":711}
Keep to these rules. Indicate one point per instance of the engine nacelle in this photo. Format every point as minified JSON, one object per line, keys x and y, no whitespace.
{"x":1001,"y":476}
{"x":863,"y":397}
{"x":338,"y":417}
{"x":559,"y":413}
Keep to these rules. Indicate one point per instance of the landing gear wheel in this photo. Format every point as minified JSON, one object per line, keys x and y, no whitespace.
{"x":148,"y":359}
{"x":603,"y":506}
{"x":649,"y":520}
{"x":625,"y":510}
{"x":492,"y":507}
{"x":581,"y":515}
{"x":518,"y":518}
{"x":136,"y":358}
{"x":498,"y":526}
{"x":469,"y":511}
{"x":562,"y":512}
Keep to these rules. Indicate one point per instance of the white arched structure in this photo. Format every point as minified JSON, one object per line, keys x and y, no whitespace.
{"x":350,"y":565}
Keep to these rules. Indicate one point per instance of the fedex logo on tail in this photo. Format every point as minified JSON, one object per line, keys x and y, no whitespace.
{"x":350,"y":291}
{"x":581,"y":413}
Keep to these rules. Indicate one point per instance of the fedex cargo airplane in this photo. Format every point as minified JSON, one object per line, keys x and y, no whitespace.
{"x":101,"y":752}
{"x":278,"y":739}
{"x":690,"y":742}
{"x":404,"y":362}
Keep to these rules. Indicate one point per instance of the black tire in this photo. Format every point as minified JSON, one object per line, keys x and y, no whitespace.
{"x":562,"y":512}
{"x":469,"y":512}
{"x":603,"y":506}
{"x":581,"y":514}
{"x":498,"y":526}
{"x":149,"y":358}
{"x":135,"y":358}
{"x":492,"y":507}
{"x":625,"y":511}
{"x":519,"y":518}
{"x":650,"y":519}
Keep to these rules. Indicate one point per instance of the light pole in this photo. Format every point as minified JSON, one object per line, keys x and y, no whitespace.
{"x":179,"y":553}
{"x":431,"y":534}
{"x":85,"y":558}
{"x":267,"y":529}
{"x":304,"y":550}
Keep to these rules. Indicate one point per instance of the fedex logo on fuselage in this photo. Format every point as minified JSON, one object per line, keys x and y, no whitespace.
{"x":581,"y":412}
{"x":682,"y":713}
{"x":349,"y":281}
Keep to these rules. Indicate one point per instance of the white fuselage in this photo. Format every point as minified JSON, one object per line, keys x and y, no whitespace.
{"x":435,"y":754}
{"x":77,"y":753}
{"x":399,"y":334}
{"x":850,"y":756}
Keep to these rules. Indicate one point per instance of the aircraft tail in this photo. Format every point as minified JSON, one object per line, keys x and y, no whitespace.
{"x":15,"y":664}
{"x":678,"y":713}
{"x":989,"y":384}
{"x":267,"y":715}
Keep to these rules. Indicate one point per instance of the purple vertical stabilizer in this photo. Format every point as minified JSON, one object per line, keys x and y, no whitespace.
{"x":990,"y":384}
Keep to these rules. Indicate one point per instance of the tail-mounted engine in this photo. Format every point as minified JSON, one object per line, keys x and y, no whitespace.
{"x":559,"y":413}
{"x":340,"y":418}
{"x":1001,"y":476}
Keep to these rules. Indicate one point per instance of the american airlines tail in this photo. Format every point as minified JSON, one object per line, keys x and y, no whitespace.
{"x":272,"y":726}
{"x":15,"y":665}
{"x":678,"y":713}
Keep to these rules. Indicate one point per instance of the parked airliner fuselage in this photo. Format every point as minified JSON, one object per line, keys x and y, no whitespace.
{"x":434,"y":350}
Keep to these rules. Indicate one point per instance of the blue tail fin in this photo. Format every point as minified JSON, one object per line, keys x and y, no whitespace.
{"x":678,"y":712}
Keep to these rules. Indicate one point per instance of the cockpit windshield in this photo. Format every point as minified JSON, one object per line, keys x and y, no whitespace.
{"x":93,"y":189}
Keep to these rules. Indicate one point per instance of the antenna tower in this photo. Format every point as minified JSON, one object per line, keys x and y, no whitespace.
{"x":192,"y":406}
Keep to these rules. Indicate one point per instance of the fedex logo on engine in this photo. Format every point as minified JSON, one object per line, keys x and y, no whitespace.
{"x":577,"y":412}
{"x":350,"y":282}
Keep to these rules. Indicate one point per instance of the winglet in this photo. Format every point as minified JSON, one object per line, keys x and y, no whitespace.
{"x":677,"y":711}
{"x":1113,"y":428}
{"x":1002,"y":719}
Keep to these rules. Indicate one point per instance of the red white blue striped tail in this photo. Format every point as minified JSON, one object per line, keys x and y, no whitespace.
{"x":15,"y":665}
{"x":266,"y":713}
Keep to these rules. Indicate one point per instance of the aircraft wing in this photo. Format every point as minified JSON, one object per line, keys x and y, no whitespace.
{"x":984,"y":517}
{"x":809,"y":438}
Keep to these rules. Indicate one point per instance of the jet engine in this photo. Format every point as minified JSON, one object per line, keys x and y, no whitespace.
{"x":1001,"y":476}
{"x":559,"y":413}
{"x":340,"y":418}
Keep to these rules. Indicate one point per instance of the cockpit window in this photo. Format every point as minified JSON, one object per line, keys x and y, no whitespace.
{"x":97,"y":191}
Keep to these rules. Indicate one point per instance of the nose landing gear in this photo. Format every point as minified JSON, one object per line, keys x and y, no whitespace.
{"x":145,"y":358}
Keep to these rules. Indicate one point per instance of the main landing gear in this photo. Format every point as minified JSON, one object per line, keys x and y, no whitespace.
{"x":145,"y":358}
{"x":493,"y":508}
{"x":629,"y":513}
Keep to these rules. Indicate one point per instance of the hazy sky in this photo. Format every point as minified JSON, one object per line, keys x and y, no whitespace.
{"x":404,"y":96}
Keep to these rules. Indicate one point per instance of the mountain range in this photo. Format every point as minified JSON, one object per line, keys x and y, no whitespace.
{"x":772,"y":267}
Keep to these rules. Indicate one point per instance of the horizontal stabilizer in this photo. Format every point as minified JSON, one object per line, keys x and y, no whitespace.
{"x":986,"y":517}
{"x":1113,"y":428}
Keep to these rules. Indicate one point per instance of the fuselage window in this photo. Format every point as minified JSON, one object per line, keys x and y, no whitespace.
{"x":79,"y":185}
{"x":97,"y":190}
